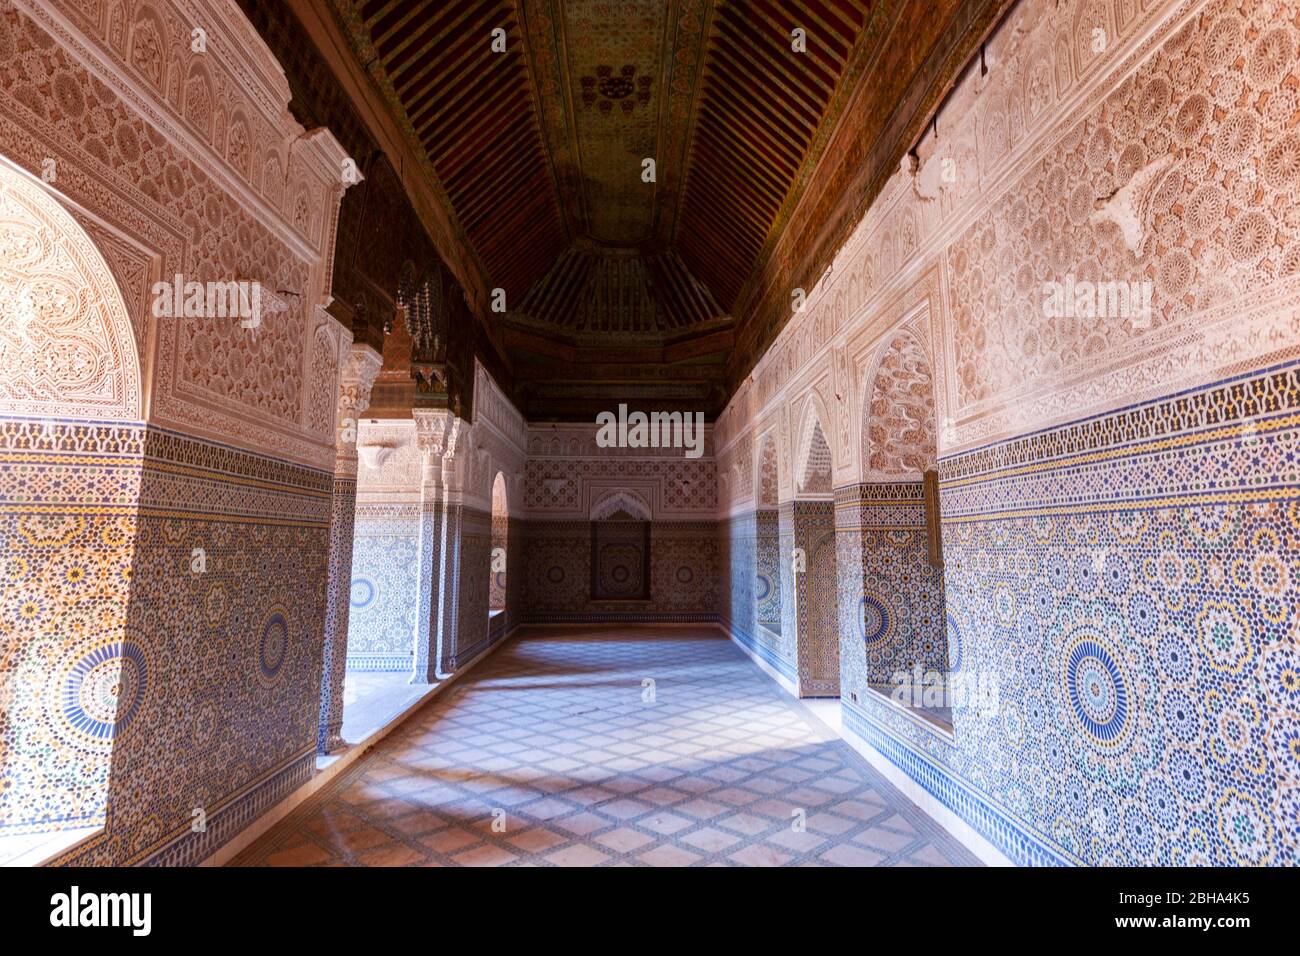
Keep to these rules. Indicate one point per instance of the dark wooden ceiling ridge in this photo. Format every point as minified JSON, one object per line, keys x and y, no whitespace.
{"x":720,"y":184}
{"x":748,"y":154}
{"x":441,"y":76}
{"x":588,"y":291}
{"x":779,"y":137}
{"x":773,"y":48}
{"x":829,"y":38}
{"x":811,"y":152}
{"x":753,"y":129}
{"x":717,"y":139}
{"x":484,"y":172}
{"x":472,"y":110}
{"x":740,"y":204}
{"x":521,"y":262}
{"x":744,"y":70}
{"x":484,"y":186}
{"x":389,"y":13}
{"x":690,"y":302}
{"x":556,"y":293}
{"x":693,"y":244}
{"x":402,"y":53}
{"x":471,"y":132}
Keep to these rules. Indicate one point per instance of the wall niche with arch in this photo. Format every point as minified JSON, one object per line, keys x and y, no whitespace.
{"x":810,"y":599}
{"x":895,"y":638}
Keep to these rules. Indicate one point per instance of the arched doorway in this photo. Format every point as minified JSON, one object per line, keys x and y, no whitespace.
{"x":620,"y":548}
{"x":809,"y":526}
{"x":72,"y":679}
{"x":497,"y":591}
{"x":901,"y":614}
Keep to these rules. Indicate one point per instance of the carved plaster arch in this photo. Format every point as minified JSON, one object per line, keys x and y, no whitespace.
{"x":813,"y":422}
{"x":893,"y":447}
{"x":626,"y":504}
{"x":67,"y":348}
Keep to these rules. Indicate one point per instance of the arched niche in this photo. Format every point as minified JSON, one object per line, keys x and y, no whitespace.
{"x":810,"y":600}
{"x":70,"y":409}
{"x":500,"y":544}
{"x":900,"y":618}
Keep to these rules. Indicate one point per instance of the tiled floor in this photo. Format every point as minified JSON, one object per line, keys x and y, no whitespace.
{"x":371,"y":700}
{"x":557,"y":751}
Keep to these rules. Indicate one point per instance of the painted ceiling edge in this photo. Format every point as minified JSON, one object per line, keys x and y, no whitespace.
{"x":478,"y":178}
{"x":862,"y":58}
{"x":786,"y":189}
{"x":540,"y":108}
{"x":951,"y":64}
{"x":326,"y":32}
{"x":345,"y":16}
{"x":679,"y":164}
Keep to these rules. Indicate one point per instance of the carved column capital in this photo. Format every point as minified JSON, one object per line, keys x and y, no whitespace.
{"x":436,"y":433}
{"x":356,"y":379}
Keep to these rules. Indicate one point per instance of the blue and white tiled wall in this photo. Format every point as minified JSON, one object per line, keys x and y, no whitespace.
{"x":1133,"y":582}
{"x":385,"y":558}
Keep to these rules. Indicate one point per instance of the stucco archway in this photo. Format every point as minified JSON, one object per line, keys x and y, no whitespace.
{"x":70,"y":408}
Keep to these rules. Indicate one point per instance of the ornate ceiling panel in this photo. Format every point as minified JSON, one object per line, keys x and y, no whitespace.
{"x":630,"y":283}
{"x":593,"y":295}
{"x":616,"y":81}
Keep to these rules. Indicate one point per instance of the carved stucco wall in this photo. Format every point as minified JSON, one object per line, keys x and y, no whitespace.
{"x":178,"y":161}
{"x":1166,"y":155}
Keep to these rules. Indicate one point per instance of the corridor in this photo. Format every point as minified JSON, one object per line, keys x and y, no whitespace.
{"x":642,"y":746}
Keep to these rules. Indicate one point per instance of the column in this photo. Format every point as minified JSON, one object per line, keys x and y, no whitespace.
{"x":436,"y":432}
{"x":358,"y":377}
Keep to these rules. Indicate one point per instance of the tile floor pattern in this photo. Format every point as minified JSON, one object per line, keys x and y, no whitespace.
{"x":552,"y":735}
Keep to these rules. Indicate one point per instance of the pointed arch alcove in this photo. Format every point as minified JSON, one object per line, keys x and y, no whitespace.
{"x":500,"y":545}
{"x":620,"y":547}
{"x":900,"y":647}
{"x":71,"y":446}
{"x":809,"y":599}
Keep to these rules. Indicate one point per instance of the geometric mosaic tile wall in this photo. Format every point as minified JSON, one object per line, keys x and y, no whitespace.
{"x":385,"y":558}
{"x":892,"y":615}
{"x":767,"y":584}
{"x":577,"y":492}
{"x":222,"y":709}
{"x":70,"y":680}
{"x":1132,"y":582}
{"x":474,"y":580}
{"x":736,"y":544}
{"x":682,"y":564}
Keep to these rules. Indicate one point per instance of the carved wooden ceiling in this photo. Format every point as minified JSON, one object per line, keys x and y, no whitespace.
{"x":624,"y":284}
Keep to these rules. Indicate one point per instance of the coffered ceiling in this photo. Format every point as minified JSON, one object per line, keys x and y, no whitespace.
{"x":622,"y":282}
